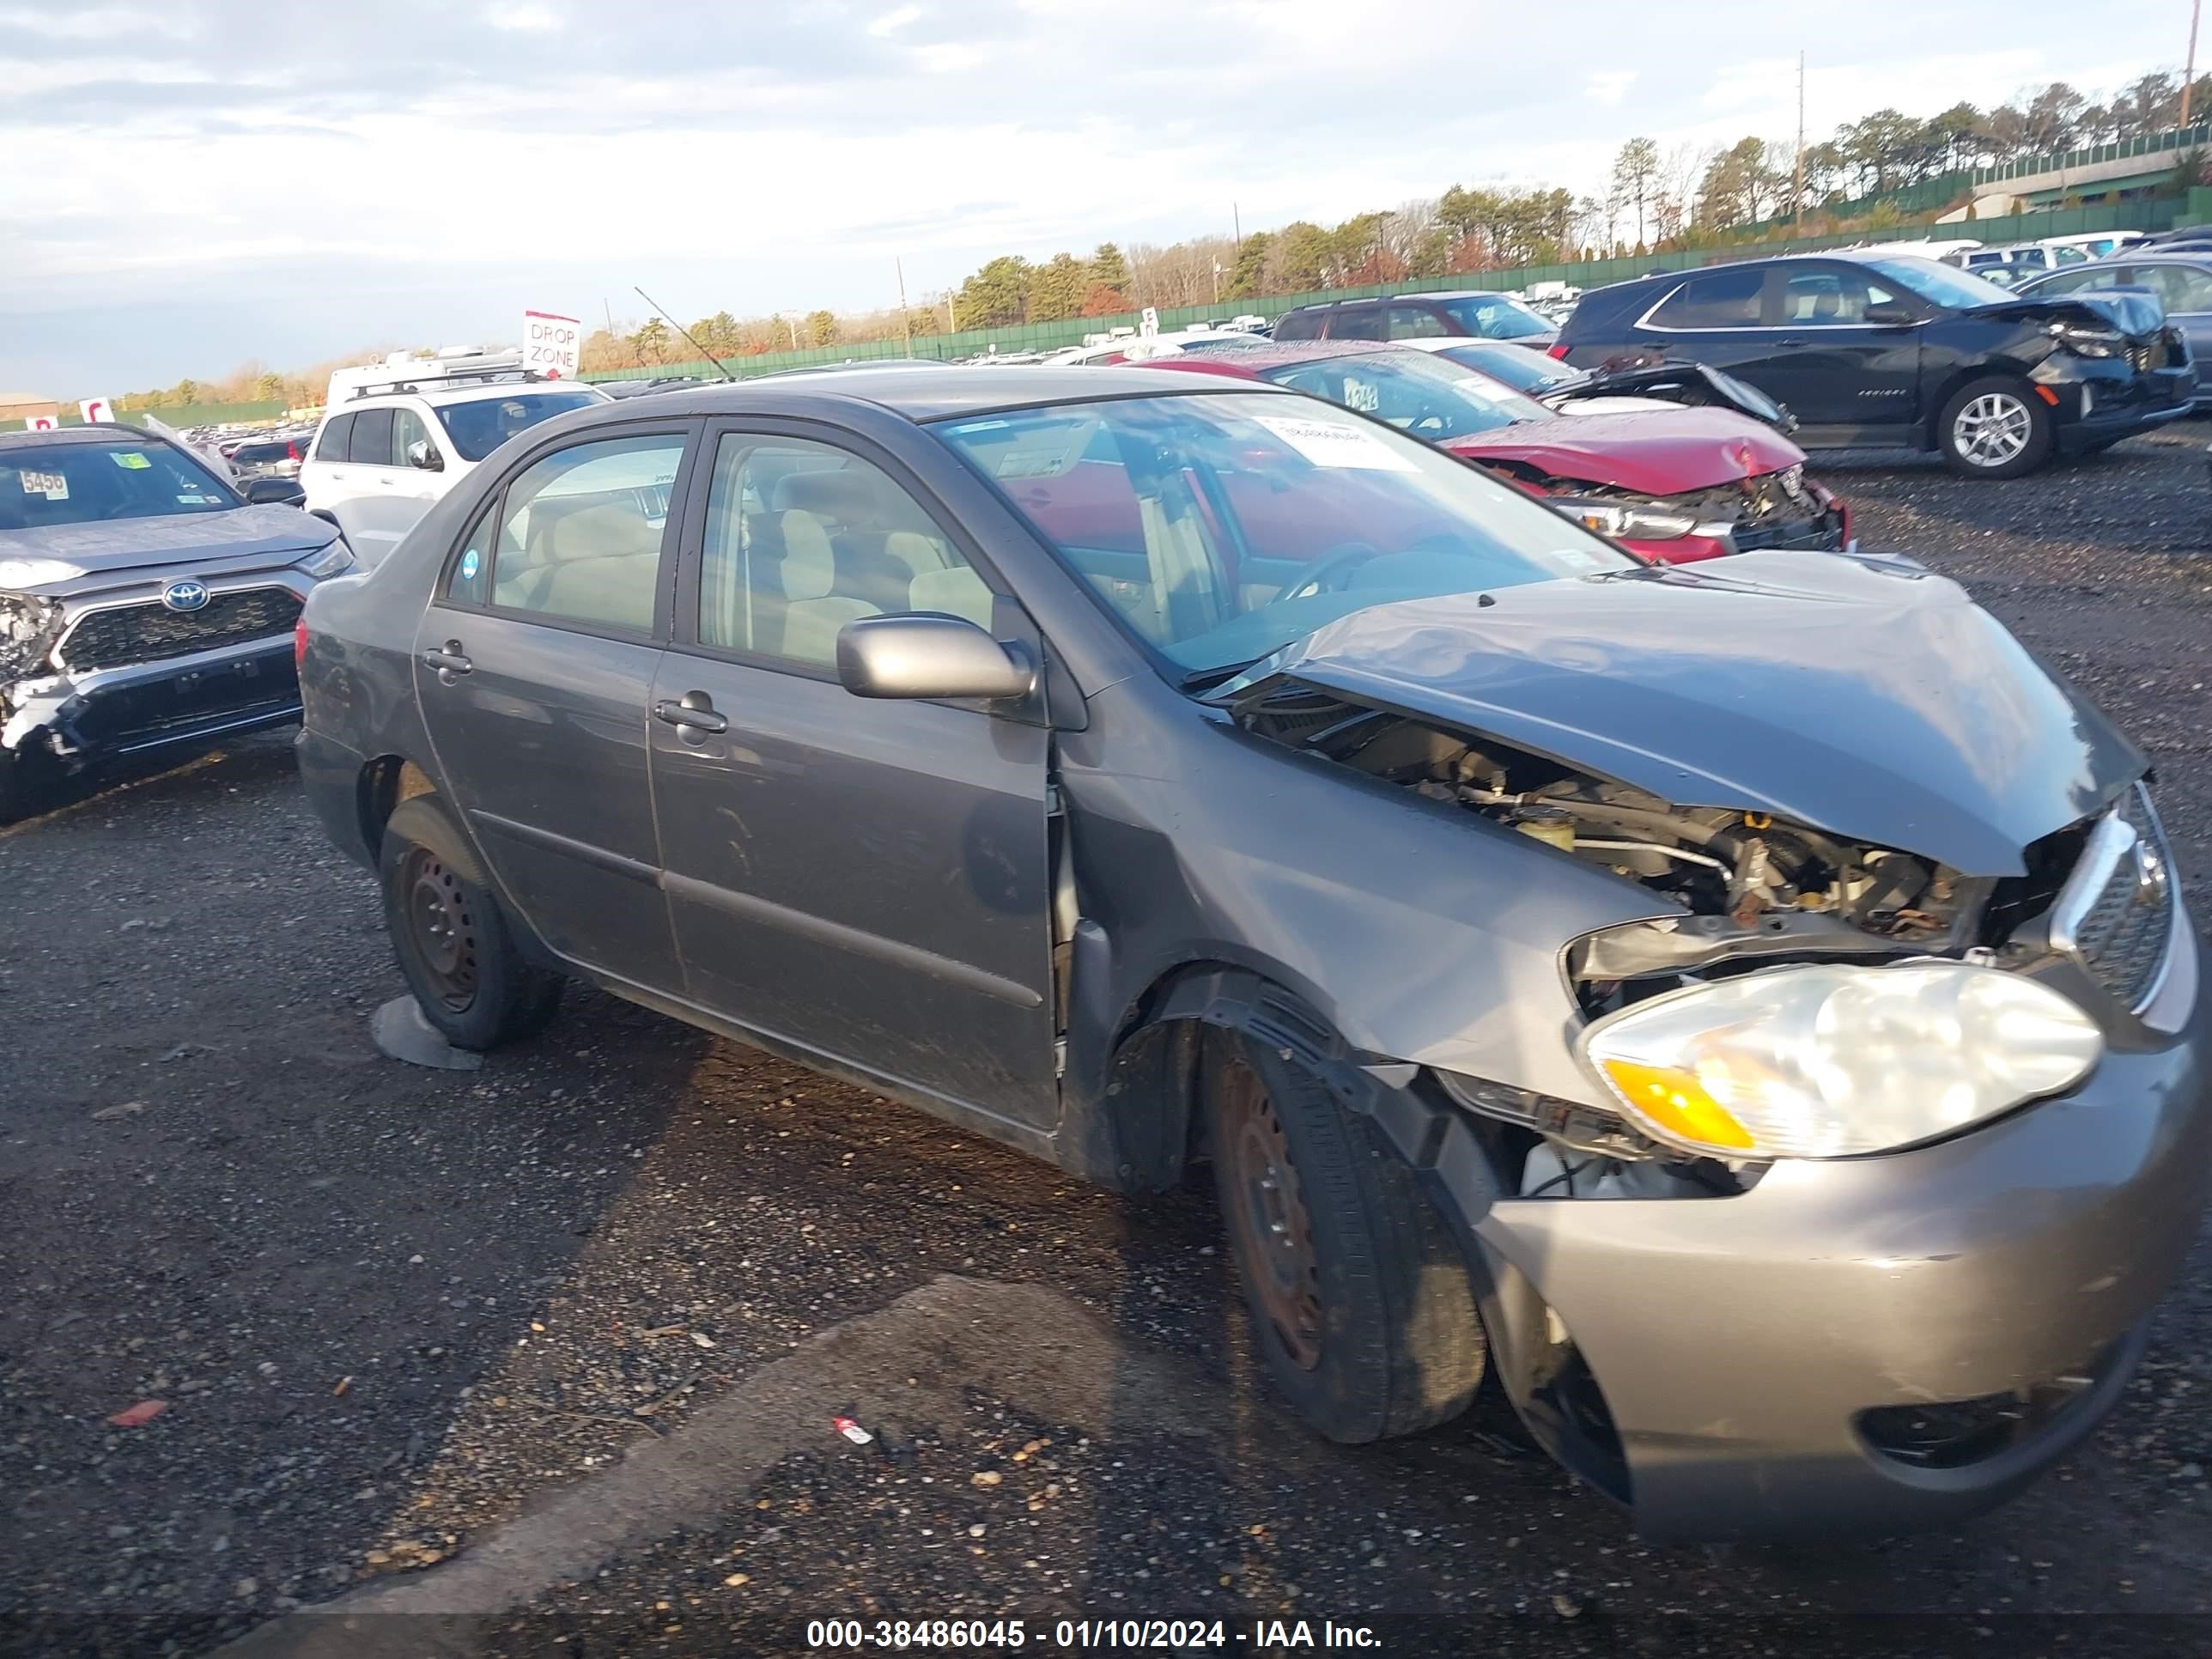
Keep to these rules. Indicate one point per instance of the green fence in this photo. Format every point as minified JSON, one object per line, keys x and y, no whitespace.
{"x":186,"y":415}
{"x":2148,"y":216}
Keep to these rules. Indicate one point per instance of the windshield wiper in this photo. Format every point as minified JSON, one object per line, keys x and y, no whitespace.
{"x":1201,"y":679}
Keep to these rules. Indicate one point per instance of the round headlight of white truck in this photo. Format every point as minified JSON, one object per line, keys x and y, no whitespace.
{"x":1831,"y":1061}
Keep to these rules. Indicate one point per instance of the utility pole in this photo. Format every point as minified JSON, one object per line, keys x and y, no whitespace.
{"x":1217,"y":282}
{"x":1797,"y":180}
{"x":611,"y":316}
{"x":906,"y":322}
{"x":1237,"y":224}
{"x":2189,"y":75}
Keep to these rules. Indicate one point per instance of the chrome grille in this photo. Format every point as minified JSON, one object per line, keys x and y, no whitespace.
{"x":126,"y":633}
{"x":2115,"y":914}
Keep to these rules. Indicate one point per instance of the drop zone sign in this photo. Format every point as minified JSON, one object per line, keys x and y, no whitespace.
{"x":552,"y":345}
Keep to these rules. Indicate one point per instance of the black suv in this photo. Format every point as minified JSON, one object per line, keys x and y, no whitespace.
{"x":1476,"y":315}
{"x":1894,"y":351}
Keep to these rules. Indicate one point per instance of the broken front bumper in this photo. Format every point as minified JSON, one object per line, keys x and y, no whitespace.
{"x":83,"y":718}
{"x":1785,"y":1362}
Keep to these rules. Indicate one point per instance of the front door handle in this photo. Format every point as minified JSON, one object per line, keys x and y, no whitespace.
{"x":448,"y":661}
{"x":692,"y":715}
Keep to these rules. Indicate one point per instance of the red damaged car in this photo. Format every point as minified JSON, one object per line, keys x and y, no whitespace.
{"x":1671,"y":484}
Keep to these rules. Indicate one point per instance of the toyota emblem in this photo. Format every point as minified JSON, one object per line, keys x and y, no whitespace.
{"x":186,"y":595}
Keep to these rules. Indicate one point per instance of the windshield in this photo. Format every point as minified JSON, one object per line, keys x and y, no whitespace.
{"x":1430,"y":397}
{"x":1494,"y":317}
{"x":1219,"y":527}
{"x":47,"y":484}
{"x":478,"y":428}
{"x":1942,"y":285}
{"x":1517,"y":366}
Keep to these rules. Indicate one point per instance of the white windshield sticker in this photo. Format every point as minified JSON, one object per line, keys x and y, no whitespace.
{"x":53,"y":485}
{"x":1327,"y":443}
{"x":1580,"y":558}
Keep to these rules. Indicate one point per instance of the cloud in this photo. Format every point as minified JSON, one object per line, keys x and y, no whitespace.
{"x":422,"y":170}
{"x":524,"y":19}
{"x":892,"y":21}
{"x":1608,"y":86}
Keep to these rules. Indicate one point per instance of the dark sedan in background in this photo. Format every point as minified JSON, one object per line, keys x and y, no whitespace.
{"x":1475,"y":314}
{"x":1905,"y":352}
{"x":2182,"y":282}
{"x":144,"y":604}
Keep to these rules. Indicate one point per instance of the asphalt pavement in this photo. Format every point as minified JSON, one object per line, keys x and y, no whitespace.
{"x":545,"y":1357}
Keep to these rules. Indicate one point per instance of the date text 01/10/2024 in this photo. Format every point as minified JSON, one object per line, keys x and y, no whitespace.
{"x":1173,"y":1635}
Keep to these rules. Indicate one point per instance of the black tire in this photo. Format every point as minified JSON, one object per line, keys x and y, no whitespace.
{"x":1977,"y":433}
{"x":1369,"y":1326}
{"x":452,"y":942}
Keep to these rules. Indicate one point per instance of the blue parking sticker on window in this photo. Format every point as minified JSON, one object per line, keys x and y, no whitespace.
{"x":469,"y":563}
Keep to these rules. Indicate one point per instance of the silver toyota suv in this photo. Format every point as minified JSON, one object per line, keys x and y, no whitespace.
{"x":144,"y":602}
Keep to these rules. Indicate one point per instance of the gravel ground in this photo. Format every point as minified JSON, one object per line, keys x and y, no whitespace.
{"x":393,"y":1311}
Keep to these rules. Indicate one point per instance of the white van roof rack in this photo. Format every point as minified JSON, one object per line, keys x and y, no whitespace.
{"x":455,"y":377}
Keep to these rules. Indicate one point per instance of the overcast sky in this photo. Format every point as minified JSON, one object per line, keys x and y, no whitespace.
{"x":190,"y":183}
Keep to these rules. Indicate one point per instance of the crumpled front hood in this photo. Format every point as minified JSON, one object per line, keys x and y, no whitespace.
{"x":1867,"y":697}
{"x":2138,"y":316}
{"x":208,"y":542}
{"x":1663,"y":453}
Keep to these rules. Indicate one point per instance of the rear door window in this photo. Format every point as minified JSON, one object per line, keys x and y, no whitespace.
{"x":1414,"y":322}
{"x":338,"y":431}
{"x":371,"y":438}
{"x":1357,"y":322}
{"x":1720,"y":299}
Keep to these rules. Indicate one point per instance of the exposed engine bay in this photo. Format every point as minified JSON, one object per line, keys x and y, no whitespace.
{"x":1753,"y":892}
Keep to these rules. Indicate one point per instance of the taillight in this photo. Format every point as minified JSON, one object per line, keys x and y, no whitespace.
{"x":300,"y":643}
{"x":1557,"y":349}
{"x":292,"y":450}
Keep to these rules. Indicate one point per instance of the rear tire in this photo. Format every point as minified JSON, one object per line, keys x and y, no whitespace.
{"x":1362,"y":1308}
{"x":450,"y":939}
{"x":1993,"y":427}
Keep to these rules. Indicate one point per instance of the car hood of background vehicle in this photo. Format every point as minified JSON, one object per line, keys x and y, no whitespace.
{"x":1867,"y":698}
{"x":210,"y":543}
{"x":1660,"y":453}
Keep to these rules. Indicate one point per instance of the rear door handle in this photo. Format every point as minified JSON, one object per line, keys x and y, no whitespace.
{"x":693,"y":712}
{"x":449,"y":662}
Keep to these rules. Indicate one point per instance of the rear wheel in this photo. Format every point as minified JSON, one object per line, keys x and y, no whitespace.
{"x":1993,"y":427}
{"x":450,"y":940}
{"x":1363,"y":1309}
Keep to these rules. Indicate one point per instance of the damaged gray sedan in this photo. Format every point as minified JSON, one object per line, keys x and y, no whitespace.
{"x":1750,"y":1011}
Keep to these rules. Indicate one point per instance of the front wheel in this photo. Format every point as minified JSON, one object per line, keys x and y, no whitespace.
{"x":1993,"y":427}
{"x":449,"y":938}
{"x":1362,"y":1308}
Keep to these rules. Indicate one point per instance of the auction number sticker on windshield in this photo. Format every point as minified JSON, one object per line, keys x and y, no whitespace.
{"x":1325,"y":443}
{"x":53,"y":485}
{"x":129,"y":459}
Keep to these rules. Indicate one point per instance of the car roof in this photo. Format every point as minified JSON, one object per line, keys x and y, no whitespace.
{"x":921,"y":398}
{"x":437,"y":396}
{"x":101,"y":432}
{"x":1281,"y":354}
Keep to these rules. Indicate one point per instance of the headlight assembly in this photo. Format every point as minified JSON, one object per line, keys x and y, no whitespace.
{"x":1624,"y":520}
{"x":329,"y":560}
{"x":29,"y":627}
{"x":1833,"y":1060}
{"x":2086,"y":342}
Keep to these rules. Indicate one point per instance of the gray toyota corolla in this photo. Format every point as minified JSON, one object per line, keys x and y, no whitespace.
{"x":1750,"y":1009}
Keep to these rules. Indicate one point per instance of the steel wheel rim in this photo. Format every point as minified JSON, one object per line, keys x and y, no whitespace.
{"x":442,"y":927}
{"x":1267,"y":1211}
{"x":1992,"y":430}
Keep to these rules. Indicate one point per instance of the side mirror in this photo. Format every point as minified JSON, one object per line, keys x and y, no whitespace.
{"x":275,"y":492}
{"x":1889,"y":316}
{"x":929,"y":656}
{"x":424,"y":459}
